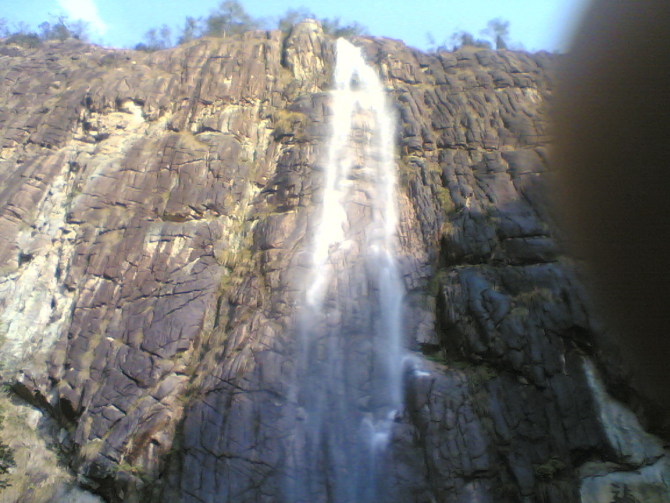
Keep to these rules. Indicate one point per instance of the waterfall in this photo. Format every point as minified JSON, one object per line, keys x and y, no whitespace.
{"x":348,"y":386}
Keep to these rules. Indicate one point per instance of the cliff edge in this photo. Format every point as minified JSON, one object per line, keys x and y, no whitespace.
{"x":152,"y":211}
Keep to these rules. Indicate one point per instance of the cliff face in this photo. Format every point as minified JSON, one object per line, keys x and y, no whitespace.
{"x":153,"y":212}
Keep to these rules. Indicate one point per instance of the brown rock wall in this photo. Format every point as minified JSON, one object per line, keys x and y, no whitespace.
{"x":154,"y":213}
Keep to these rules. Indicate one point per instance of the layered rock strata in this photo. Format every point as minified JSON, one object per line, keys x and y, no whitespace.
{"x":154,"y":210}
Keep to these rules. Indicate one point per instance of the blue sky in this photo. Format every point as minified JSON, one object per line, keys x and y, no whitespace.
{"x":534,"y":24}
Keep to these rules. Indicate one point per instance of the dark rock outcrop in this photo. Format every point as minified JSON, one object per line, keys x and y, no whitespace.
{"x":153,"y":209}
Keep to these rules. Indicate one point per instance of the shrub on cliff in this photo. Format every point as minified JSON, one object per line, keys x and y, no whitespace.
{"x":7,"y":461}
{"x":156,"y":39}
{"x":495,"y":35}
{"x":28,"y":40}
{"x":331,"y":26}
{"x":229,"y":18}
{"x":60,"y":28}
{"x":498,"y":30}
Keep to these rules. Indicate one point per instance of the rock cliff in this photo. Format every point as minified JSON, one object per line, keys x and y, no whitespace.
{"x":153,"y":209}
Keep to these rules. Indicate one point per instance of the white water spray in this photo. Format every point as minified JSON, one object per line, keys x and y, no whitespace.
{"x":360,"y":109}
{"x":350,"y":356}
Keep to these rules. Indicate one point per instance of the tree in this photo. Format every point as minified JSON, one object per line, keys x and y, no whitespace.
{"x":333,"y":27}
{"x":498,"y":30}
{"x":4,"y":28}
{"x":192,"y":29}
{"x":56,"y":32}
{"x":433,"y":47}
{"x":61,"y":28}
{"x":292,"y":17}
{"x":21,"y":35}
{"x":156,"y":39}
{"x":466,"y":39}
{"x":330,"y":26}
{"x":230,"y":18}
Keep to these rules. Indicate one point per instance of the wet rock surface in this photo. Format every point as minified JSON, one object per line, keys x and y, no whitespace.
{"x":154,"y":212}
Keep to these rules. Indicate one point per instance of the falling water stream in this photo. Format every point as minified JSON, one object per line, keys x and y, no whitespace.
{"x":349,"y":361}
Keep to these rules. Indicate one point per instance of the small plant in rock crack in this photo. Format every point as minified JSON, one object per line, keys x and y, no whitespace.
{"x":7,"y":461}
{"x":289,"y":123}
{"x":550,"y":469}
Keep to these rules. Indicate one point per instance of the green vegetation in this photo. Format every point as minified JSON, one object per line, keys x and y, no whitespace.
{"x":537,"y":296}
{"x":498,"y":30}
{"x":230,"y":18}
{"x":7,"y":461}
{"x":90,"y":450}
{"x":330,"y":26}
{"x":495,"y":35}
{"x":549,"y":470}
{"x":136,"y":471}
{"x":478,"y":373}
{"x":156,"y":39}
{"x":435,"y":356}
{"x":28,"y":464}
{"x":60,"y":28}
{"x":288,"y":123}
{"x":444,"y":197}
{"x":292,"y":17}
{"x":409,"y":167}
{"x":333,"y":27}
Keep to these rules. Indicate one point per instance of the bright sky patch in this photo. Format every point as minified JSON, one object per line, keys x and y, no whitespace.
{"x":86,"y":10}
